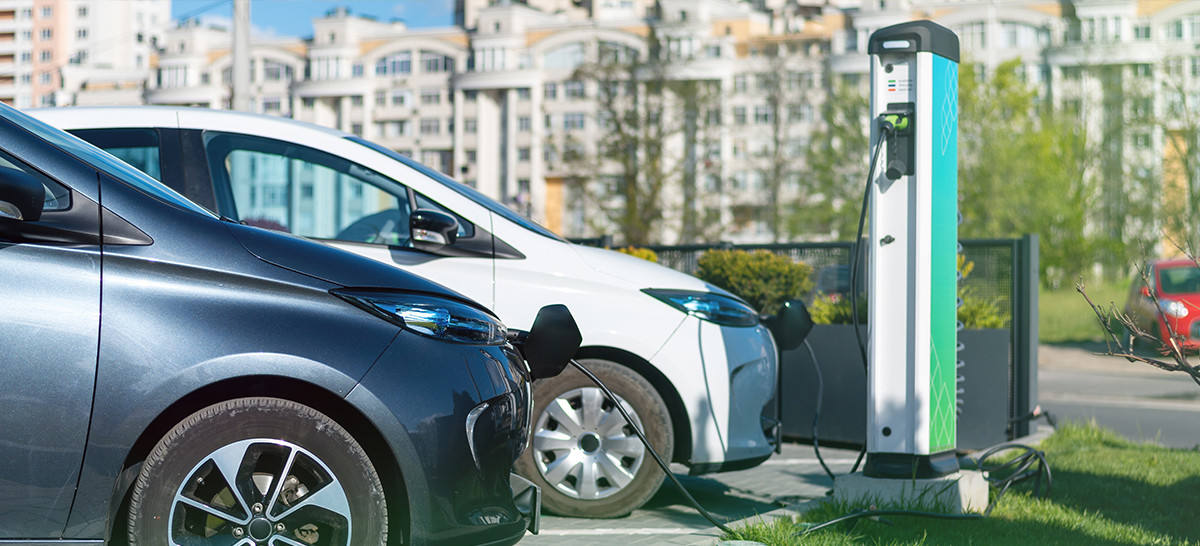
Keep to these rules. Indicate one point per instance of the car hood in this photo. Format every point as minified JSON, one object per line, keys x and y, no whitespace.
{"x":324,"y":262}
{"x":642,"y":273}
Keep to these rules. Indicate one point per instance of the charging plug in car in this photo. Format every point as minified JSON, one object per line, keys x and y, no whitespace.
{"x":897,"y":127}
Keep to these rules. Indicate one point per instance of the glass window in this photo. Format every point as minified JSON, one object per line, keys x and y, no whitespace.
{"x":278,"y":185}
{"x":568,"y":56}
{"x":137,"y":147}
{"x":58,"y":197}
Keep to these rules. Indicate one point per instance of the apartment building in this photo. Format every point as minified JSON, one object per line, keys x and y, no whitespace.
{"x":497,"y":101}
{"x":50,"y":50}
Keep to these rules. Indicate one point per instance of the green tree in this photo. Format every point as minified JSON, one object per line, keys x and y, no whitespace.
{"x":1023,"y":169}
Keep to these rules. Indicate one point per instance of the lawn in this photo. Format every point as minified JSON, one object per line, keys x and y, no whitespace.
{"x":1064,"y":316}
{"x":1106,"y":491}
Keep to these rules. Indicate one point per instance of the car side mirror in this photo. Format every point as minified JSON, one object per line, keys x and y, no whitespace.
{"x":431,"y":230}
{"x":22,"y":196}
{"x":790,"y":325}
{"x":551,"y":343}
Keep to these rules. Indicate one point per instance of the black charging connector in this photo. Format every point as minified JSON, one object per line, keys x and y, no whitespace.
{"x":897,"y":126}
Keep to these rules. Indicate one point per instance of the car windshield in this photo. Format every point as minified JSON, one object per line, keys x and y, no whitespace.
{"x":100,"y":160}
{"x":1179,"y":280}
{"x":465,"y":190}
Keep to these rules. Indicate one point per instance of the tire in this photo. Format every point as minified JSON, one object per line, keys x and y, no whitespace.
{"x":330,"y":492}
{"x":583,"y":455}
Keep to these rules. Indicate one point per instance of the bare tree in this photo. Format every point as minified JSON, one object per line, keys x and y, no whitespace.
{"x":651,"y":121}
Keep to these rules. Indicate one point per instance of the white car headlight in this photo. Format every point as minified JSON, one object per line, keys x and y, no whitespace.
{"x":714,"y":308}
{"x":1173,"y":308}
{"x":431,"y":316}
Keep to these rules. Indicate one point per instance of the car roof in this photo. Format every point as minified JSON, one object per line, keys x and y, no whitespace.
{"x":1167,"y":263}
{"x":97,"y":117}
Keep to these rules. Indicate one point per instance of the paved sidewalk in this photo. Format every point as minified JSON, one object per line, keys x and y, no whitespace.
{"x":785,"y":480}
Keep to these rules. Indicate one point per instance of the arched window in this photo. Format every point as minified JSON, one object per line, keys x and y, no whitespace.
{"x":394,"y":64}
{"x":567,"y":56}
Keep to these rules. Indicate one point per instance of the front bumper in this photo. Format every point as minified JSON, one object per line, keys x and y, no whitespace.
{"x":726,"y":402}
{"x":464,"y":416}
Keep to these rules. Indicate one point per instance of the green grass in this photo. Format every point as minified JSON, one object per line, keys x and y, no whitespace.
{"x":1064,"y":316}
{"x":1107,"y":491}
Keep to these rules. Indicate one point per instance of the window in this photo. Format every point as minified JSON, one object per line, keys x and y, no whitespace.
{"x":574,"y":89}
{"x":401,"y":97}
{"x":307,"y":192}
{"x":470,"y":125}
{"x":523,"y":93}
{"x":394,"y":64}
{"x":44,"y":78}
{"x":1141,"y":32}
{"x":45,"y":55}
{"x":573,"y":121}
{"x":137,"y":147}
{"x":432,"y":62}
{"x":763,"y":114}
{"x":1142,"y":70}
{"x":47,"y":12}
{"x":81,"y":33}
{"x":356,"y":101}
{"x":551,"y":90}
{"x":431,"y":126}
{"x":524,"y":124}
{"x":739,"y":115}
{"x":356,"y":70}
{"x":276,"y":71}
{"x":470,"y":95}
{"x":739,"y":83}
{"x":272,"y":105}
{"x":523,"y":154}
{"x":431,"y":96}
{"x":568,"y":56}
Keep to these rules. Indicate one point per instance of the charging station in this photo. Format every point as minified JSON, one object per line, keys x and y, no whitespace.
{"x":912,"y":356}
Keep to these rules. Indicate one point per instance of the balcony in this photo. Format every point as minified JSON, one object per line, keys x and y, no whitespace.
{"x":316,"y":89}
{"x":501,"y":79}
{"x":205,"y":95}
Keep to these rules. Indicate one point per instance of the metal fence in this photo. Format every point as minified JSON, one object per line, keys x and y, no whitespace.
{"x":1003,"y":271}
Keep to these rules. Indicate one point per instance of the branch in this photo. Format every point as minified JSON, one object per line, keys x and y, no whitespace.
{"x":1171,"y":349}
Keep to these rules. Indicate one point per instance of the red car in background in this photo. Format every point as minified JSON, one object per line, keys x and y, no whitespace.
{"x":1176,"y":285}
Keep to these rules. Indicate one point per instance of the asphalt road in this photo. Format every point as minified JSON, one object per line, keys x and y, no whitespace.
{"x":1135,"y":399}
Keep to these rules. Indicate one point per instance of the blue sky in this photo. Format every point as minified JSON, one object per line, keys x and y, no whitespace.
{"x":293,"y":17}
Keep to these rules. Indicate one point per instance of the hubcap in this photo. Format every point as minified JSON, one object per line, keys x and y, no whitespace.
{"x":268,"y":491}
{"x":584,"y":448}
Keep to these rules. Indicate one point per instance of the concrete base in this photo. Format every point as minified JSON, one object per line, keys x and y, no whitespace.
{"x":965,"y":491}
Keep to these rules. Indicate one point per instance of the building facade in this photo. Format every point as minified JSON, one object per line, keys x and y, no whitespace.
{"x":499,"y":100}
{"x":51,"y":50}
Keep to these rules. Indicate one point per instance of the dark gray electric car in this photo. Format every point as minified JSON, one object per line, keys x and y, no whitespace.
{"x":181,"y":379}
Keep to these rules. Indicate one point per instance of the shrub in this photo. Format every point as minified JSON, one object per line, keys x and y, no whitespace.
{"x":975,"y":312}
{"x":762,"y":278}
{"x":643,"y":253}
{"x":835,"y":309}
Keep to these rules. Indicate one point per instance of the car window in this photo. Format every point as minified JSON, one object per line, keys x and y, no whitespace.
{"x":137,"y":147}
{"x":58,"y":197}
{"x":1179,"y":280}
{"x":101,"y":160}
{"x":282,"y":186}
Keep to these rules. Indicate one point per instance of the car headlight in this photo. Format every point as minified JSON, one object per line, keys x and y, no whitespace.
{"x":1173,"y":308}
{"x":431,"y":316}
{"x":714,"y":308}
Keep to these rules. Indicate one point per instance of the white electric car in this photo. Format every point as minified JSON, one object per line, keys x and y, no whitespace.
{"x":690,"y":360}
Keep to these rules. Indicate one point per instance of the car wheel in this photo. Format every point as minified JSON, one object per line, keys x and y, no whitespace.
{"x":584,"y":455}
{"x":258,"y":471}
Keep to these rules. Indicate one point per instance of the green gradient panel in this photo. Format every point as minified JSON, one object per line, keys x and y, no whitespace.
{"x":944,"y":250}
